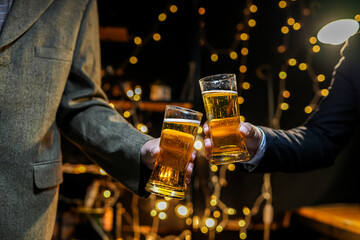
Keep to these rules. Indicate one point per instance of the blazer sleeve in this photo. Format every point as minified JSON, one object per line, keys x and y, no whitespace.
{"x":318,"y":141}
{"x":86,"y":119}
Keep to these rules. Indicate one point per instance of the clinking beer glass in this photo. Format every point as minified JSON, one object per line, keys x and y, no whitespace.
{"x":180,"y":127}
{"x":222,"y":110}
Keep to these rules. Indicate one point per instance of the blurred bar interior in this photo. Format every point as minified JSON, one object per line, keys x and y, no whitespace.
{"x":153,"y":54}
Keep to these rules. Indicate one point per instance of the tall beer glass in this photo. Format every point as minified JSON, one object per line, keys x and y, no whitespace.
{"x":222,"y":110}
{"x":178,"y":134}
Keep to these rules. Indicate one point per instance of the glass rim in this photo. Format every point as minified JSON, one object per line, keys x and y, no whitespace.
{"x":217,"y":77}
{"x":188,"y":110}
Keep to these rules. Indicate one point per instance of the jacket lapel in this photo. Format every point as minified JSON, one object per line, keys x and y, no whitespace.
{"x":23,"y":14}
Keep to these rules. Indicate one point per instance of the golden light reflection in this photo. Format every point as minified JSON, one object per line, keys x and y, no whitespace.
{"x":246,"y":211}
{"x":162,"y":17}
{"x":162,"y":216}
{"x":214,"y":168}
{"x":173,"y":8}
{"x":245,"y":85}
{"x":282,"y":4}
{"x":201,"y":11}
{"x":313,"y":40}
{"x":253,"y":8}
{"x":243,"y":69}
{"x":216,"y":214}
{"x":286,"y":94}
{"x":244,"y":51}
{"x":297,"y":26}
{"x":127,"y":114}
{"x":292,"y":62}
{"x":282,"y":75}
{"x":324,"y":92}
{"x":137,"y":40}
{"x":157,"y":37}
{"x":219,"y":228}
{"x":291,"y":21}
{"x":244,"y":36}
{"x":302,"y":66}
{"x":321,"y":77}
{"x":316,"y":48}
{"x":107,"y":193}
{"x":233,"y":55}
{"x":231,"y":167}
{"x":308,"y":109}
{"x":252,"y":23}
{"x":284,"y":106}
{"x":182,"y":211}
{"x":133,"y":60}
{"x":242,"y":223}
{"x":214,"y":57}
{"x":241,"y":100}
{"x":285,"y":30}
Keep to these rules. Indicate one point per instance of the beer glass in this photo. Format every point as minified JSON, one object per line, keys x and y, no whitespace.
{"x":179,"y":129}
{"x":220,"y":99}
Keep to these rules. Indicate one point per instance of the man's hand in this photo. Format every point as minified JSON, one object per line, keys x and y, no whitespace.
{"x":150,"y":151}
{"x":252,"y":136}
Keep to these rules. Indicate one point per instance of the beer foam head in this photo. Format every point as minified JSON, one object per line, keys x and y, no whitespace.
{"x":181,"y":120}
{"x":220,"y":91}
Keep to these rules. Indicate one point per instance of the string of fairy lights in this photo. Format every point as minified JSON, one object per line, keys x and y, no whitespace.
{"x":217,"y":215}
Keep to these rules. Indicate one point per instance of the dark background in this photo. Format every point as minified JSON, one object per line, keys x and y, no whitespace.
{"x":169,"y":59}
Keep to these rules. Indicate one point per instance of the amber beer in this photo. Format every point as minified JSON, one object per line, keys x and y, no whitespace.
{"x":221,"y":105}
{"x":176,"y":144}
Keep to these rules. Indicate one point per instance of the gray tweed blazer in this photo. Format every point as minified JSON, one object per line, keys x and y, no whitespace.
{"x":50,"y":83}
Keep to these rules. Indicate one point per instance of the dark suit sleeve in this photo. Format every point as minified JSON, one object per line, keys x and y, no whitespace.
{"x":318,"y":141}
{"x":85,"y":117}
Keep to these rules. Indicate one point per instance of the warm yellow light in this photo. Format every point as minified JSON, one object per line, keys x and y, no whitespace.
{"x":286,"y":94}
{"x":153,"y":213}
{"x":133,"y":60}
{"x":240,"y":100}
{"x":285,"y":30}
{"x":219,"y":228}
{"x":161,"y":205}
{"x":216,"y":214}
{"x":173,"y":8}
{"x":137,"y":97}
{"x":102,"y":172}
{"x":292,"y":61}
{"x":233,"y":55}
{"x":210,"y":222}
{"x":144,"y":129}
{"x":138,"y":89}
{"x":245,"y":85}
{"x":130,"y":93}
{"x":244,"y":51}
{"x":242,"y":235}
{"x":201,"y":11}
{"x":282,"y":75}
{"x":213,"y":202}
{"x":313,"y":40}
{"x":357,"y":17}
{"x":308,"y":109}
{"x":231,"y":211}
{"x":242,"y":223}
{"x":214,"y":57}
{"x":231,"y":167}
{"x":290,"y":21}
{"x":198,"y":145}
{"x":127,"y":114}
{"x":297,"y":26}
{"x":204,"y":229}
{"x":284,"y":106}
{"x":244,"y":36}
{"x":196,"y":221}
{"x":316,"y":48}
{"x":338,"y":31}
{"x":252,"y":23}
{"x":281,"y":49}
{"x":214,"y":168}
{"x":162,"y":216}
{"x":162,"y":17}
{"x":242,"y":118}
{"x":324,"y":92}
{"x":188,"y":221}
{"x":243,"y":69}
{"x":107,"y":193}
{"x":321,"y":77}
{"x":246,"y":210}
{"x":80,"y":169}
{"x":302,"y":66}
{"x":200,"y":130}
{"x":156,"y":36}
{"x":137,"y":40}
{"x":253,"y":8}
{"x":282,"y":4}
{"x":182,"y":211}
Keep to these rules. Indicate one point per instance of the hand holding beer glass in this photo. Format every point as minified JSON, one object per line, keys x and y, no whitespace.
{"x":222,"y":110}
{"x":177,"y":139}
